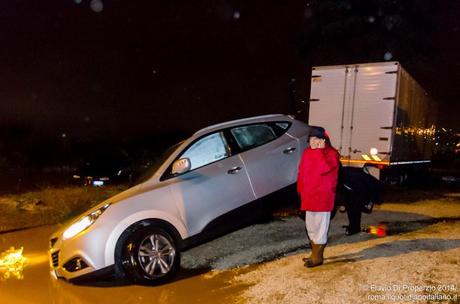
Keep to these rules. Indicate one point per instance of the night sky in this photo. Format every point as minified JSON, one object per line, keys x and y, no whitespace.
{"x":122,"y":69}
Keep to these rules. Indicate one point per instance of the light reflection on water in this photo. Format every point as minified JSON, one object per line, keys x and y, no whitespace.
{"x":12,"y":264}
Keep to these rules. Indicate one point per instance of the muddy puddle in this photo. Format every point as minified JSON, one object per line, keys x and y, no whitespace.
{"x":35,"y":285}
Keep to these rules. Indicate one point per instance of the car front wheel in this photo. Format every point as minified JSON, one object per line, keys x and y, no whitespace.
{"x":150,"y":256}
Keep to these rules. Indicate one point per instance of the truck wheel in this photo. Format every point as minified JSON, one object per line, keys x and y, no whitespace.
{"x":150,"y":256}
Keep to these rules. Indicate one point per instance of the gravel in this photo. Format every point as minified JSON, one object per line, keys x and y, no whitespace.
{"x":420,"y":258}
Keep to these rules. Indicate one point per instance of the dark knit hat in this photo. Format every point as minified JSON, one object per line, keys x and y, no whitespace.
{"x":318,"y":132}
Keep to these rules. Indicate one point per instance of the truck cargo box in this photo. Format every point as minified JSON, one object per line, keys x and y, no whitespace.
{"x":375,"y":113}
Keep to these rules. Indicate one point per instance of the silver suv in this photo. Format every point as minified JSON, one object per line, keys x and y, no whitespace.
{"x":216,"y":181}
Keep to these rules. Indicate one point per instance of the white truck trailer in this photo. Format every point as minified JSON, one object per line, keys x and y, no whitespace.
{"x":376,"y":115}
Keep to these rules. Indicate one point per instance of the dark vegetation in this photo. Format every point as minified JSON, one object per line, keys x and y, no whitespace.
{"x":30,"y":160}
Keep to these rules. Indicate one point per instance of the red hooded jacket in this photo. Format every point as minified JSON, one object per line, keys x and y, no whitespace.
{"x":317,"y":179}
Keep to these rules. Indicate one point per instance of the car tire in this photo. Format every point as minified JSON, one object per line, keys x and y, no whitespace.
{"x":150,"y":256}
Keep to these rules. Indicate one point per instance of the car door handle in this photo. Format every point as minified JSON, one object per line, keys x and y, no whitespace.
{"x":289,"y":150}
{"x":234,"y":170}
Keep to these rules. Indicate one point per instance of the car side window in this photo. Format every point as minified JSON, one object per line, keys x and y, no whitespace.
{"x":253,"y":135}
{"x":207,"y":150}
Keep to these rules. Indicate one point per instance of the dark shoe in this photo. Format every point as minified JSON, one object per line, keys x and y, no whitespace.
{"x":351,"y":231}
{"x":316,"y":256}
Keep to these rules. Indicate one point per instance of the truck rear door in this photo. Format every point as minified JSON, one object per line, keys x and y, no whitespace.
{"x":356,"y":105}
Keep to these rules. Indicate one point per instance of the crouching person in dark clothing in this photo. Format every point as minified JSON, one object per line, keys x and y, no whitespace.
{"x":357,"y":191}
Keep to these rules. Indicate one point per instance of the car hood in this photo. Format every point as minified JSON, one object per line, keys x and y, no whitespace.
{"x":124,"y":195}
{"x":131,"y":192}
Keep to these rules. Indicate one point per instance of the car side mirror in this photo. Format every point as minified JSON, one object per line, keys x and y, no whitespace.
{"x":181,"y":165}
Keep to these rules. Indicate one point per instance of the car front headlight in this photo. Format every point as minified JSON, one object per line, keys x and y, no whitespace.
{"x":83,"y":223}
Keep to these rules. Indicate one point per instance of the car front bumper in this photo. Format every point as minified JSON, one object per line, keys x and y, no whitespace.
{"x":80,"y":255}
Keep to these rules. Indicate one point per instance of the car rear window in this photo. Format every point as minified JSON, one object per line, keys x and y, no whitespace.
{"x":253,"y":135}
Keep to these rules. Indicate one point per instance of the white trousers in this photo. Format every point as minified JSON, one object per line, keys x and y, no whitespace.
{"x":317,"y":224}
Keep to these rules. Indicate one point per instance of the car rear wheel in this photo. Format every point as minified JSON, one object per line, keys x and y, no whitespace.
{"x":150,"y":256}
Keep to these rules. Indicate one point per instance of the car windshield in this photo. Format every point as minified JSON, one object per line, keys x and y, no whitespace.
{"x":151,"y":167}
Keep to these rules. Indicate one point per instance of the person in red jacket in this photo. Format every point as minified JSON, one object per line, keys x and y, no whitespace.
{"x":316,"y":184}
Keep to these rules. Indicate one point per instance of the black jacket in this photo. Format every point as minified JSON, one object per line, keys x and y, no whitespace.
{"x":355,"y":186}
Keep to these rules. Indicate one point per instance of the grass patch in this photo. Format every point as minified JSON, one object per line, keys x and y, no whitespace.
{"x":50,"y":205}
